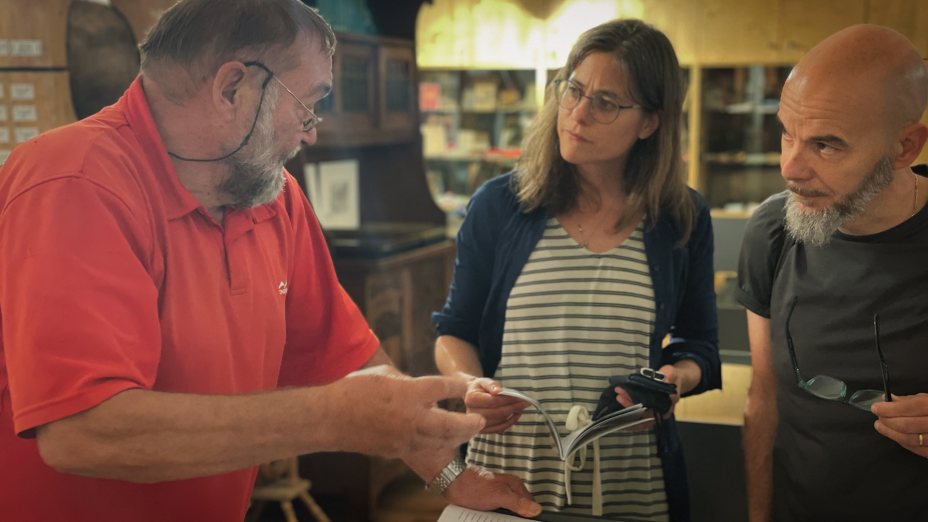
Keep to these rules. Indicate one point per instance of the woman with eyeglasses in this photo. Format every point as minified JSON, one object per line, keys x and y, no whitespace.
{"x":575,"y":267}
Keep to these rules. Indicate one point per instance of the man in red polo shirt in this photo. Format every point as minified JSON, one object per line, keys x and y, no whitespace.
{"x":170,"y":314}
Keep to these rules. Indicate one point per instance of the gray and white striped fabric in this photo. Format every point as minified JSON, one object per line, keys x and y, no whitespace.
{"x":575,"y":318}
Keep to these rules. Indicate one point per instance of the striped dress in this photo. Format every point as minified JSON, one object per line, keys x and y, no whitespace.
{"x":575,"y":318}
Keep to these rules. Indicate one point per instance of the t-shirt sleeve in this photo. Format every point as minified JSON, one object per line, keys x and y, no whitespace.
{"x":761,"y":248}
{"x":80,"y":317}
{"x":327,"y":336}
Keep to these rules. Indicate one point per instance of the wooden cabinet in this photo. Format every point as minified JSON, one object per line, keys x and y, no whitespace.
{"x":373,"y":100}
{"x":396,"y":294}
{"x":739,"y":135}
{"x":397,"y":103}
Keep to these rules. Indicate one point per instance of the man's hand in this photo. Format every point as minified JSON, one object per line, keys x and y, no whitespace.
{"x":482,"y":490}
{"x":379,"y":411}
{"x":500,"y":412}
{"x":904,"y":420}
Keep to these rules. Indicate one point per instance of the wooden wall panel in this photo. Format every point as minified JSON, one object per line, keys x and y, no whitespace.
{"x":803,"y":24}
{"x":32,"y":103}
{"x":33,"y":32}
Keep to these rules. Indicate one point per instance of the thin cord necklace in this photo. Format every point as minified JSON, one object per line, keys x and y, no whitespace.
{"x":915,"y":198}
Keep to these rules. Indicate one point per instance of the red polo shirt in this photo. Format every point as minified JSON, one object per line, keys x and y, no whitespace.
{"x":113,"y":276}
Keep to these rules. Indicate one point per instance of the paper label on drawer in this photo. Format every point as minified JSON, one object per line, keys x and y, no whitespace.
{"x":2,"y":113}
{"x":4,"y":135}
{"x":26,"y":133}
{"x":4,"y":154}
{"x":1,"y":91}
{"x":22,"y":91}
{"x":29,"y":48}
{"x":25,"y":113}
{"x":4,"y":47}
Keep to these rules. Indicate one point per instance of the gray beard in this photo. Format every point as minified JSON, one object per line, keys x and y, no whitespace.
{"x":816,"y":227}
{"x":256,"y":174}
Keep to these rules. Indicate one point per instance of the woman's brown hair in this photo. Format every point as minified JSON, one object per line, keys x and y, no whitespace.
{"x":653,"y":179}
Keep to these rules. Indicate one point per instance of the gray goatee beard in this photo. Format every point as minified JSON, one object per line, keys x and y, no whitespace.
{"x":256,"y":174}
{"x":816,"y":227}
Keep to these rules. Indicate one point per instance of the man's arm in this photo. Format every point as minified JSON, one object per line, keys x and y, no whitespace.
{"x":760,"y":421}
{"x":474,"y":488}
{"x":148,"y":436}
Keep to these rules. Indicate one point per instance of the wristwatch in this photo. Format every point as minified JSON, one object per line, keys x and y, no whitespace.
{"x":446,"y":476}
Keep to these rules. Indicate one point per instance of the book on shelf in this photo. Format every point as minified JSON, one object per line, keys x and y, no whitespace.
{"x":635,"y":415}
{"x":429,"y":96}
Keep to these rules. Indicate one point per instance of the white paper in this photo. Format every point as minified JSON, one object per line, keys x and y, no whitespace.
{"x":25,"y":113}
{"x":22,"y":91}
{"x":25,"y":133}
{"x":337,"y":201}
{"x":454,"y":513}
{"x":29,"y":48}
{"x":4,"y":47}
{"x":2,"y":113}
{"x":568,"y":444}
{"x":4,"y":135}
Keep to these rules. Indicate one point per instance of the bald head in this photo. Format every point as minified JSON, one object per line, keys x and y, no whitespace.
{"x":873,"y":65}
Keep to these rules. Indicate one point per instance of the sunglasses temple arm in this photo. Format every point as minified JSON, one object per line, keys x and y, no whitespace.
{"x":789,"y":345}
{"x":884,"y":368}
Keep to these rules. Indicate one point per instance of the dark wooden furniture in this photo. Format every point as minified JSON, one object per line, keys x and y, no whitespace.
{"x":372,"y":117}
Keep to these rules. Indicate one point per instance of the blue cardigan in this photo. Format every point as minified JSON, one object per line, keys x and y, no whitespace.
{"x":493,"y":245}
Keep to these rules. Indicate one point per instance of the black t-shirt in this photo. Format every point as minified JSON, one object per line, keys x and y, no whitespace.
{"x":829,"y":461}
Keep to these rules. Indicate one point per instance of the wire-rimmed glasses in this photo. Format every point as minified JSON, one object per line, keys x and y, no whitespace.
{"x":603,"y":109}
{"x":308,"y":124}
{"x":830,"y":388}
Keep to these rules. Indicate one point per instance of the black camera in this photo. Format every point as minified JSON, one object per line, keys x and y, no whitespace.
{"x":646,"y":386}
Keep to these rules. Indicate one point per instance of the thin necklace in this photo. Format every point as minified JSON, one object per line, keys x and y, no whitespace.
{"x":915,"y":199}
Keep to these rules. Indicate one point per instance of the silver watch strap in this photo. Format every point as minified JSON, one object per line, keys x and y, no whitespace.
{"x":446,"y":476}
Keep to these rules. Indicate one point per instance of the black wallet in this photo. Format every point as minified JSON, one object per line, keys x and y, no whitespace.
{"x":646,"y":386}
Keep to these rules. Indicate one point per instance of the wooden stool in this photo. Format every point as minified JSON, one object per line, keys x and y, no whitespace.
{"x":280,"y":481}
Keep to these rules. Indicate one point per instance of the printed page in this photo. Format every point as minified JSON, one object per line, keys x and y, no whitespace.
{"x":548,"y":420}
{"x":458,"y":514}
{"x":617,"y":421}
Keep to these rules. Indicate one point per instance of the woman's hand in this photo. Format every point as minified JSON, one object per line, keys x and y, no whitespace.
{"x":673,"y":376}
{"x":500,"y":412}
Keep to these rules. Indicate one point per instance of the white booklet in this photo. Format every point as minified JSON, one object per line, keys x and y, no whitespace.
{"x":618,"y":420}
{"x":454,"y":513}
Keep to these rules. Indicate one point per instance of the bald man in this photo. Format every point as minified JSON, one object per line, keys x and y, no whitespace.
{"x":825,"y":265}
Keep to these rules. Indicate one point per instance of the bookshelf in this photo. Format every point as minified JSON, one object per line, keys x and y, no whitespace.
{"x":472,"y":124}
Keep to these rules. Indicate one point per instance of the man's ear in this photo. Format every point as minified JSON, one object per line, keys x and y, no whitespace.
{"x":909,"y":144}
{"x":651,"y":123}
{"x":226,"y":88}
